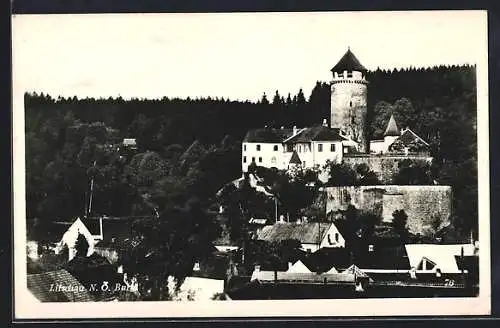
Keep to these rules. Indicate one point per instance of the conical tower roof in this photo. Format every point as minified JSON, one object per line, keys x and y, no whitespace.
{"x":392,"y":129}
{"x":349,"y":63}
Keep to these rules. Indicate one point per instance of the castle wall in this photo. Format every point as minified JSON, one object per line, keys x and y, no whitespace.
{"x":385,"y":166}
{"x":422,"y":204}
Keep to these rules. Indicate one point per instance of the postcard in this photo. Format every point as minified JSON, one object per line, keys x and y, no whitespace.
{"x":251,"y":165}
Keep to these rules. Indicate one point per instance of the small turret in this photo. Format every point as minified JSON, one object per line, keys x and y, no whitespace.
{"x":391,"y":132}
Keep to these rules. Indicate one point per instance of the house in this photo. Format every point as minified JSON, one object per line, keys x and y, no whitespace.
{"x":77,"y":228}
{"x":197,"y":289}
{"x":130,"y":143}
{"x":117,"y":236}
{"x":57,"y":286}
{"x":225,"y":244}
{"x":312,"y":236}
{"x":396,"y":140}
{"x":283,"y":149}
{"x":301,"y":277}
{"x":298,"y":267}
{"x":437,"y":258}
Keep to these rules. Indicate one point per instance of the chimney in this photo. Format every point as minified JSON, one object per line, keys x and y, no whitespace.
{"x":282,"y":127}
{"x":289,"y":265}
{"x":257,"y":268}
{"x":325,"y":123}
{"x":294,"y":130}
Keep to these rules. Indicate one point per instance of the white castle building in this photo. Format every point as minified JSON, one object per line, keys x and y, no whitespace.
{"x":312,"y":147}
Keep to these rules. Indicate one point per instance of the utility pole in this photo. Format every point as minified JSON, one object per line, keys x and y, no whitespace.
{"x":91,"y":193}
{"x":276,"y":209}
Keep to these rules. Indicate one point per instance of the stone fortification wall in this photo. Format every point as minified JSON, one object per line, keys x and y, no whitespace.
{"x":422,"y":204}
{"x":385,"y":166}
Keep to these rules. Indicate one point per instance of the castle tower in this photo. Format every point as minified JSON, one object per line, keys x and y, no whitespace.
{"x":349,"y":99}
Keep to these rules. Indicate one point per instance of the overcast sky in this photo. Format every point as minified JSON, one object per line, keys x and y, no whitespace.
{"x":239,"y":56}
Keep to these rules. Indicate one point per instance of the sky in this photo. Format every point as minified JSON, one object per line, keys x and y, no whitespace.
{"x":232,"y":55}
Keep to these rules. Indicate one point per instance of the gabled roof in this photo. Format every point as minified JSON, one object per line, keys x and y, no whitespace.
{"x":40,"y":286}
{"x":269,"y":135}
{"x":442,"y":255}
{"x":408,"y":136}
{"x":353,"y":269}
{"x":306,"y":233}
{"x":392,"y":129}
{"x":332,"y":270}
{"x":298,"y":267}
{"x":316,"y":133}
{"x":295,"y":159}
{"x":349,"y":63}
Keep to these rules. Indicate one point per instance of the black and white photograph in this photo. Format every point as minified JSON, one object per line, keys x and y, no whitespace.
{"x":314,"y":163}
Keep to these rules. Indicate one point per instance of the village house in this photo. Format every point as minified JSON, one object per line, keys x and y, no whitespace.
{"x":71,"y":235}
{"x":312,"y":236}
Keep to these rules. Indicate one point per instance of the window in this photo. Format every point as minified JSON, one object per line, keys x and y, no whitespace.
{"x":273,"y":160}
{"x":350,"y":103}
{"x":253,"y":159}
{"x":260,"y":159}
{"x":320,"y":147}
{"x":299,"y":148}
{"x":258,"y":147}
{"x":244,"y":147}
{"x":336,"y":237}
{"x":304,"y":163}
{"x":332,"y":147}
{"x":244,"y":159}
{"x":275,"y":148}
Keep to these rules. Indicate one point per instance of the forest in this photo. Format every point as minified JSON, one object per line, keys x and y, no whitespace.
{"x":188,"y":149}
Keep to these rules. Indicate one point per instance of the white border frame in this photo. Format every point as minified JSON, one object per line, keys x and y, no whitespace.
{"x":27,"y":307}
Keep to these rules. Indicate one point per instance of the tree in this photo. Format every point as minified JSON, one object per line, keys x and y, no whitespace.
{"x":399,"y":222}
{"x":167,"y":246}
{"x":277,"y":99}
{"x":264,"y":100}
{"x":340,"y":175}
{"x":413,"y":173}
{"x":81,"y":245}
{"x":295,"y":192}
{"x":365,"y":176}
